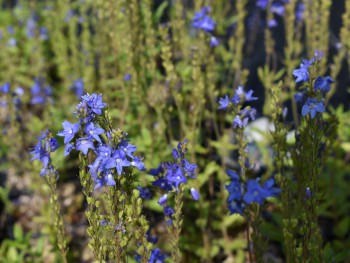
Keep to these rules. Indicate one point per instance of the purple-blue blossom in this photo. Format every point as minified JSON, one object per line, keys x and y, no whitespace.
{"x":93,"y":132}
{"x":224,"y":102}
{"x":201,"y":20}
{"x":69,"y":130}
{"x":195,"y":194}
{"x":117,"y":161}
{"x":323,"y":84}
{"x":84,"y":144}
{"x":312,"y":106}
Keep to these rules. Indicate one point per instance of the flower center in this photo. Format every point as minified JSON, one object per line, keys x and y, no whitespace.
{"x":83,"y":142}
{"x":70,"y":131}
{"x":117,"y":160}
{"x":91,"y":132}
{"x":255,"y":193}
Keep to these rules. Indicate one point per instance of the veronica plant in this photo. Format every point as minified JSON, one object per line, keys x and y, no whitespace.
{"x":107,"y":161}
{"x":246,"y":194}
{"x":42,"y":152}
{"x":171,"y":178}
{"x":308,"y":154}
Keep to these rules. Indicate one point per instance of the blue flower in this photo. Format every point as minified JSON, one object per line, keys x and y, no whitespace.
{"x":177,"y":178}
{"x":68,"y":148}
{"x":5,"y":88}
{"x":312,"y":106}
{"x":189,"y":168}
{"x":262,"y":4}
{"x":127,"y":149}
{"x":69,"y":131}
{"x":157,"y":256}
{"x":214,"y":42}
{"x":272,"y":23}
{"x":323,"y":84}
{"x":224,"y":102}
{"x":127,"y":77}
{"x":299,"y":12}
{"x":298,"y":97}
{"x":302,"y":74}
{"x":249,"y":96}
{"x":94,"y":103}
{"x":107,"y":179}
{"x":236,"y":207}
{"x":202,"y":21}
{"x":236,"y":99}
{"x":163,"y":199}
{"x":238,"y":122}
{"x":117,"y":161}
{"x":137,"y":162}
{"x":78,"y":87}
{"x":84,"y":144}
{"x":163,"y":184}
{"x":93,"y":132}
{"x":145,"y":193}
{"x":168,"y":211}
{"x":256,"y":193}
{"x":156,"y":171}
{"x":44,"y":33}
{"x":195,"y":194}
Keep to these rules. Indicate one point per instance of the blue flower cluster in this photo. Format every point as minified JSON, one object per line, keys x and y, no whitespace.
{"x":278,"y":9}
{"x":242,"y":115}
{"x":203,"y":21}
{"x":42,"y":152}
{"x":32,"y":28}
{"x":243,"y":194}
{"x":41,"y":93}
{"x":111,"y":157}
{"x":170,"y":176}
{"x":16,"y":94}
{"x":312,"y":95}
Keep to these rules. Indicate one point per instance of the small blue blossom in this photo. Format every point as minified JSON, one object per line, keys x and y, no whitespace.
{"x":69,"y":131}
{"x":137,"y":162}
{"x":127,"y":149}
{"x":93,"y":132}
{"x":145,"y":193}
{"x":257,"y":193}
{"x":302,"y":74}
{"x":84,"y":144}
{"x":5,"y":88}
{"x":163,"y":199}
{"x":78,"y":88}
{"x":68,"y":148}
{"x":312,"y":106}
{"x":117,"y":161}
{"x":249,"y":96}
{"x":195,"y":194}
{"x":168,"y":211}
{"x":224,"y":102}
{"x":323,"y":84}
{"x":94,"y":102}
{"x":177,"y":178}
{"x":214,"y":42}
{"x":202,"y":21}
{"x":107,"y":179}
{"x":127,"y":77}
{"x":272,"y":23}
{"x":238,"y":122}
{"x":299,"y":97}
